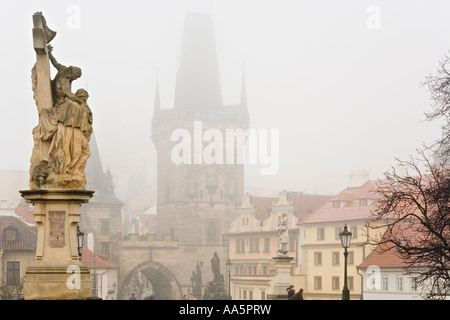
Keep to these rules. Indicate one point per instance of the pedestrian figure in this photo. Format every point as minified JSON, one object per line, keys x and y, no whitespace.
{"x":297,"y":296}
{"x":291,"y":291}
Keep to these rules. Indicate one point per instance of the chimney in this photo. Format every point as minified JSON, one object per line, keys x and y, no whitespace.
{"x":358,"y":178}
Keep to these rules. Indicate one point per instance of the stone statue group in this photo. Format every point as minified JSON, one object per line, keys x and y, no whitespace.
{"x":61,"y":139}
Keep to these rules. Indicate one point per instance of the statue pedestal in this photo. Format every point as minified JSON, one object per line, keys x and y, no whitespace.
{"x":57,"y":272}
{"x":282,"y":277}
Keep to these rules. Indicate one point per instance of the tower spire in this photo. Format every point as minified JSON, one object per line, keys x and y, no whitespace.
{"x":157,"y":103}
{"x":243,"y":88}
{"x":198,"y":78}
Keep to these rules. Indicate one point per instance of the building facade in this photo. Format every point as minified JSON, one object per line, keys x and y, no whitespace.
{"x":322,"y":256}
{"x":253,"y":242}
{"x":17,"y":248}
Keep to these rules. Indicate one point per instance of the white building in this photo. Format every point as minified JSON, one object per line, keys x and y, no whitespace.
{"x":383,"y":278}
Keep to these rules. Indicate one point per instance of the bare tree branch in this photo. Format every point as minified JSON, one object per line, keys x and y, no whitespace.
{"x":415,"y":211}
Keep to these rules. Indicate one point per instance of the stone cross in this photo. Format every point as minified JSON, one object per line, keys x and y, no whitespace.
{"x":42,"y":35}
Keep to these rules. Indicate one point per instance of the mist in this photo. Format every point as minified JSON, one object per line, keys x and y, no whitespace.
{"x":339,"y":80}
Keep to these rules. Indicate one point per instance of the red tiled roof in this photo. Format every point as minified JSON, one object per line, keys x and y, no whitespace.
{"x":26,"y":213}
{"x":383,"y":259}
{"x":263,"y":205}
{"x":98,"y":261}
{"x":351,"y":210}
{"x":26,"y":235}
{"x":304,"y":204}
{"x":385,"y":255}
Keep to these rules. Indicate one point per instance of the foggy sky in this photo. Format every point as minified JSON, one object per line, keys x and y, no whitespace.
{"x":344,"y":97}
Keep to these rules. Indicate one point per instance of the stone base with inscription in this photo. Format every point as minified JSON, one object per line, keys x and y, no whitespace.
{"x":57,"y":272}
{"x":282,"y":277}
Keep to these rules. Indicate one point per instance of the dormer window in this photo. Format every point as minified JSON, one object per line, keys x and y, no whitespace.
{"x":363,"y":202}
{"x":336,"y":204}
{"x":10,"y":234}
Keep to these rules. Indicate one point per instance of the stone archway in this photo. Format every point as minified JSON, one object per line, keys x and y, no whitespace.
{"x":165,"y":285}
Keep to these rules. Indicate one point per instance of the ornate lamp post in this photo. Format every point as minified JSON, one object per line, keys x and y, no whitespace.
{"x":346,"y":237}
{"x":80,"y":236}
{"x":228,"y":265}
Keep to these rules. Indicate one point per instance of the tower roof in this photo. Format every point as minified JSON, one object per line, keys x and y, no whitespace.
{"x":97,"y":179}
{"x":198,"y":78}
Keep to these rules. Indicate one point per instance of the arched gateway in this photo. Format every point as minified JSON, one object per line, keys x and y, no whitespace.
{"x":164,"y":284}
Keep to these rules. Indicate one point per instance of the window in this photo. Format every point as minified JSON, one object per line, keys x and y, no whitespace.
{"x":11,"y":235}
{"x":105,"y":248}
{"x":266,"y":245}
{"x":263,"y":295}
{"x":350,"y":283}
{"x":337,"y":231}
{"x":414,"y":284}
{"x":245,"y":294}
{"x":250,"y":295}
{"x":350,"y":257}
{"x":105,"y":226}
{"x":251,"y":270}
{"x":354,"y":231}
{"x":240,"y":245}
{"x":264,"y":270}
{"x":253,"y":245}
{"x":317,"y":258}
{"x":335,"y":258}
{"x":385,"y":283}
{"x":335,"y":283}
{"x":12,"y":273}
{"x":292,"y":243}
{"x":317,"y":283}
{"x":211,"y":231}
{"x":363,"y":202}
{"x":336,"y":204}
{"x":320,"y":233}
{"x":399,"y":283}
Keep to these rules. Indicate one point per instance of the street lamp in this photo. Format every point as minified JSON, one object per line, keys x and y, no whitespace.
{"x":228,"y":265}
{"x":346,"y":237}
{"x":80,"y":236}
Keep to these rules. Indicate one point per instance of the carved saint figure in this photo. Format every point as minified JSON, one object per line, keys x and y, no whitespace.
{"x":215,"y":266}
{"x":283,"y":234}
{"x":68,"y":127}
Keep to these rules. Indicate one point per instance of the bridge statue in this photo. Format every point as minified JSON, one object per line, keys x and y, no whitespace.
{"x":215,"y":289}
{"x":283,"y":235}
{"x":61,"y":138}
{"x":57,"y":175}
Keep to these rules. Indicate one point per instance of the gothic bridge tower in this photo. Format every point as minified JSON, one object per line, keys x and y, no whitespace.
{"x":196,"y":201}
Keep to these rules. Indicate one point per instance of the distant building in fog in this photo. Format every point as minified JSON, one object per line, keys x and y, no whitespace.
{"x":196,"y":203}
